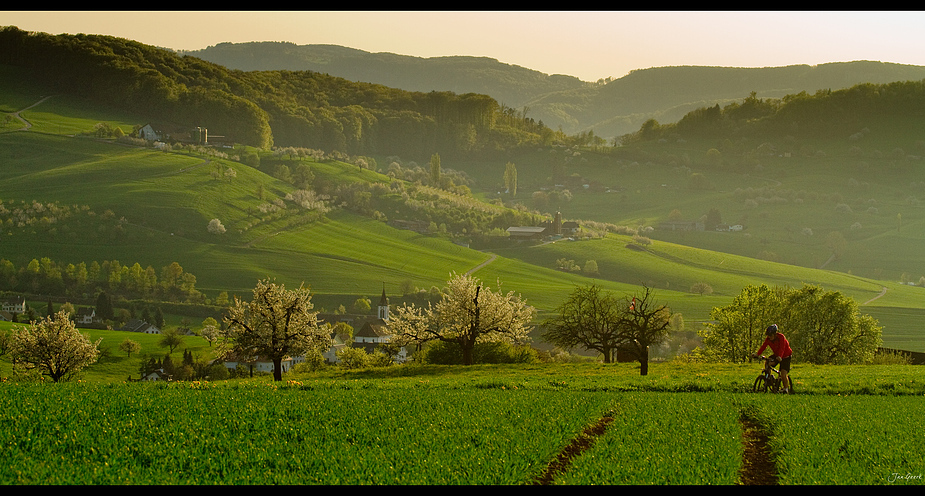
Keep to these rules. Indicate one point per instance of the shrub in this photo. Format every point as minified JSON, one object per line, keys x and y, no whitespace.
{"x":448,"y":353}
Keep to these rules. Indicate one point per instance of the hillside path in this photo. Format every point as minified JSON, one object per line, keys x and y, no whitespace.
{"x":479,"y":266}
{"x":882,"y":292}
{"x":26,"y":124}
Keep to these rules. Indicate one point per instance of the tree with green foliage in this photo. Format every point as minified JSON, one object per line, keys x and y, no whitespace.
{"x":170,"y":338}
{"x":104,"y":309}
{"x":590,"y":268}
{"x":128,"y":347}
{"x":362,"y":305}
{"x":276,"y":323}
{"x":468,"y":313}
{"x":826,"y":327}
{"x":53,"y":346}
{"x":823,"y":327}
{"x":510,"y":178}
{"x":435,"y":169}
{"x":737,"y":330}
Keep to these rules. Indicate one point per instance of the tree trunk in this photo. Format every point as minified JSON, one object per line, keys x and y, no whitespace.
{"x":644,"y":361}
{"x":277,"y":369}
{"x":467,"y":353}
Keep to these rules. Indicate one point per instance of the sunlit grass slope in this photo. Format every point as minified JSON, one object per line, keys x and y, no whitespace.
{"x":168,"y":198}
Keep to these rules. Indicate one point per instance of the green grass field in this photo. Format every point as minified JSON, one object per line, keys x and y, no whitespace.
{"x":467,"y":425}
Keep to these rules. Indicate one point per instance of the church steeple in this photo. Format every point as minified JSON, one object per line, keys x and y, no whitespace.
{"x":384,"y":305}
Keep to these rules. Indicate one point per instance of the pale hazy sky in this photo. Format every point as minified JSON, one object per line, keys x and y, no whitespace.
{"x":588,"y":45}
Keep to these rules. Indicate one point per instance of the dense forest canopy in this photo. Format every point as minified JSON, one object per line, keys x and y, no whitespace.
{"x":267,"y":108}
{"x":825,"y":114}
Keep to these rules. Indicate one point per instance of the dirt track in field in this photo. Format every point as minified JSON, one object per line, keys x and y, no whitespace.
{"x":578,"y":446}
{"x":758,"y":466}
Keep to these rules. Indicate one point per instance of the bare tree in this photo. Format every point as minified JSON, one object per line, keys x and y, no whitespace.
{"x":588,"y":318}
{"x":643,"y":323}
{"x":701,"y":288}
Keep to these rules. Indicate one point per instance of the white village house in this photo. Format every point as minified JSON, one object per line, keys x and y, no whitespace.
{"x":86,"y":316}
{"x":16,"y":304}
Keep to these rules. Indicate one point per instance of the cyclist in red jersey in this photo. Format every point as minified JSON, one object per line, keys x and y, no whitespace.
{"x":782,"y":353}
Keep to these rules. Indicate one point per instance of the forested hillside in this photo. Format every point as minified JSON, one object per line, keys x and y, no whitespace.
{"x":827,"y":114}
{"x":510,"y":85}
{"x":263,"y":109}
{"x":618,"y":107}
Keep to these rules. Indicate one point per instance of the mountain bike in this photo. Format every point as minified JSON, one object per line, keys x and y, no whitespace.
{"x":769,"y":379}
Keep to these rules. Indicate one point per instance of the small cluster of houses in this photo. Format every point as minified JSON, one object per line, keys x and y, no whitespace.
{"x":545,"y":230}
{"x":16,"y":305}
{"x":179,"y":134}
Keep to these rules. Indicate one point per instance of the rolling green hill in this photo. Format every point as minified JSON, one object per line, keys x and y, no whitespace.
{"x":167,"y":199}
{"x":153,"y":207}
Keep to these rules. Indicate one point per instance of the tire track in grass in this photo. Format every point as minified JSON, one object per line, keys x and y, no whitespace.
{"x":579,"y":445}
{"x":758,"y":465}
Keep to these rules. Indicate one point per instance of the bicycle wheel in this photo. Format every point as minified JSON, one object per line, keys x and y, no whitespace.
{"x":790,"y":380}
{"x":760,"y":385}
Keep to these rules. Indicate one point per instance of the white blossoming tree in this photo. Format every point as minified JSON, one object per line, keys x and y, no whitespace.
{"x":53,"y":346}
{"x":216,"y":227}
{"x":276,"y":323}
{"x":467,"y":313}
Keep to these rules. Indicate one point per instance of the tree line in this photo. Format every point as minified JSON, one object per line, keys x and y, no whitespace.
{"x":267,"y":108}
{"x":49,"y":278}
{"x":823,"y":327}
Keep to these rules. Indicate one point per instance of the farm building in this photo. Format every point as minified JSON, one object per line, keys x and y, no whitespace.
{"x":157,"y":375}
{"x":171,"y":133}
{"x":141,"y":326}
{"x":554,"y":227}
{"x":526,"y":232}
{"x":570,"y":227}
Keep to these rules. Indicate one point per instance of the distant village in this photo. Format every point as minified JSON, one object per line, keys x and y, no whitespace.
{"x":548,"y":230}
{"x":160,"y":133}
{"x":370,"y":332}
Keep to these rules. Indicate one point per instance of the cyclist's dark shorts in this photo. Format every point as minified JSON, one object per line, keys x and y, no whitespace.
{"x":785,"y":363}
